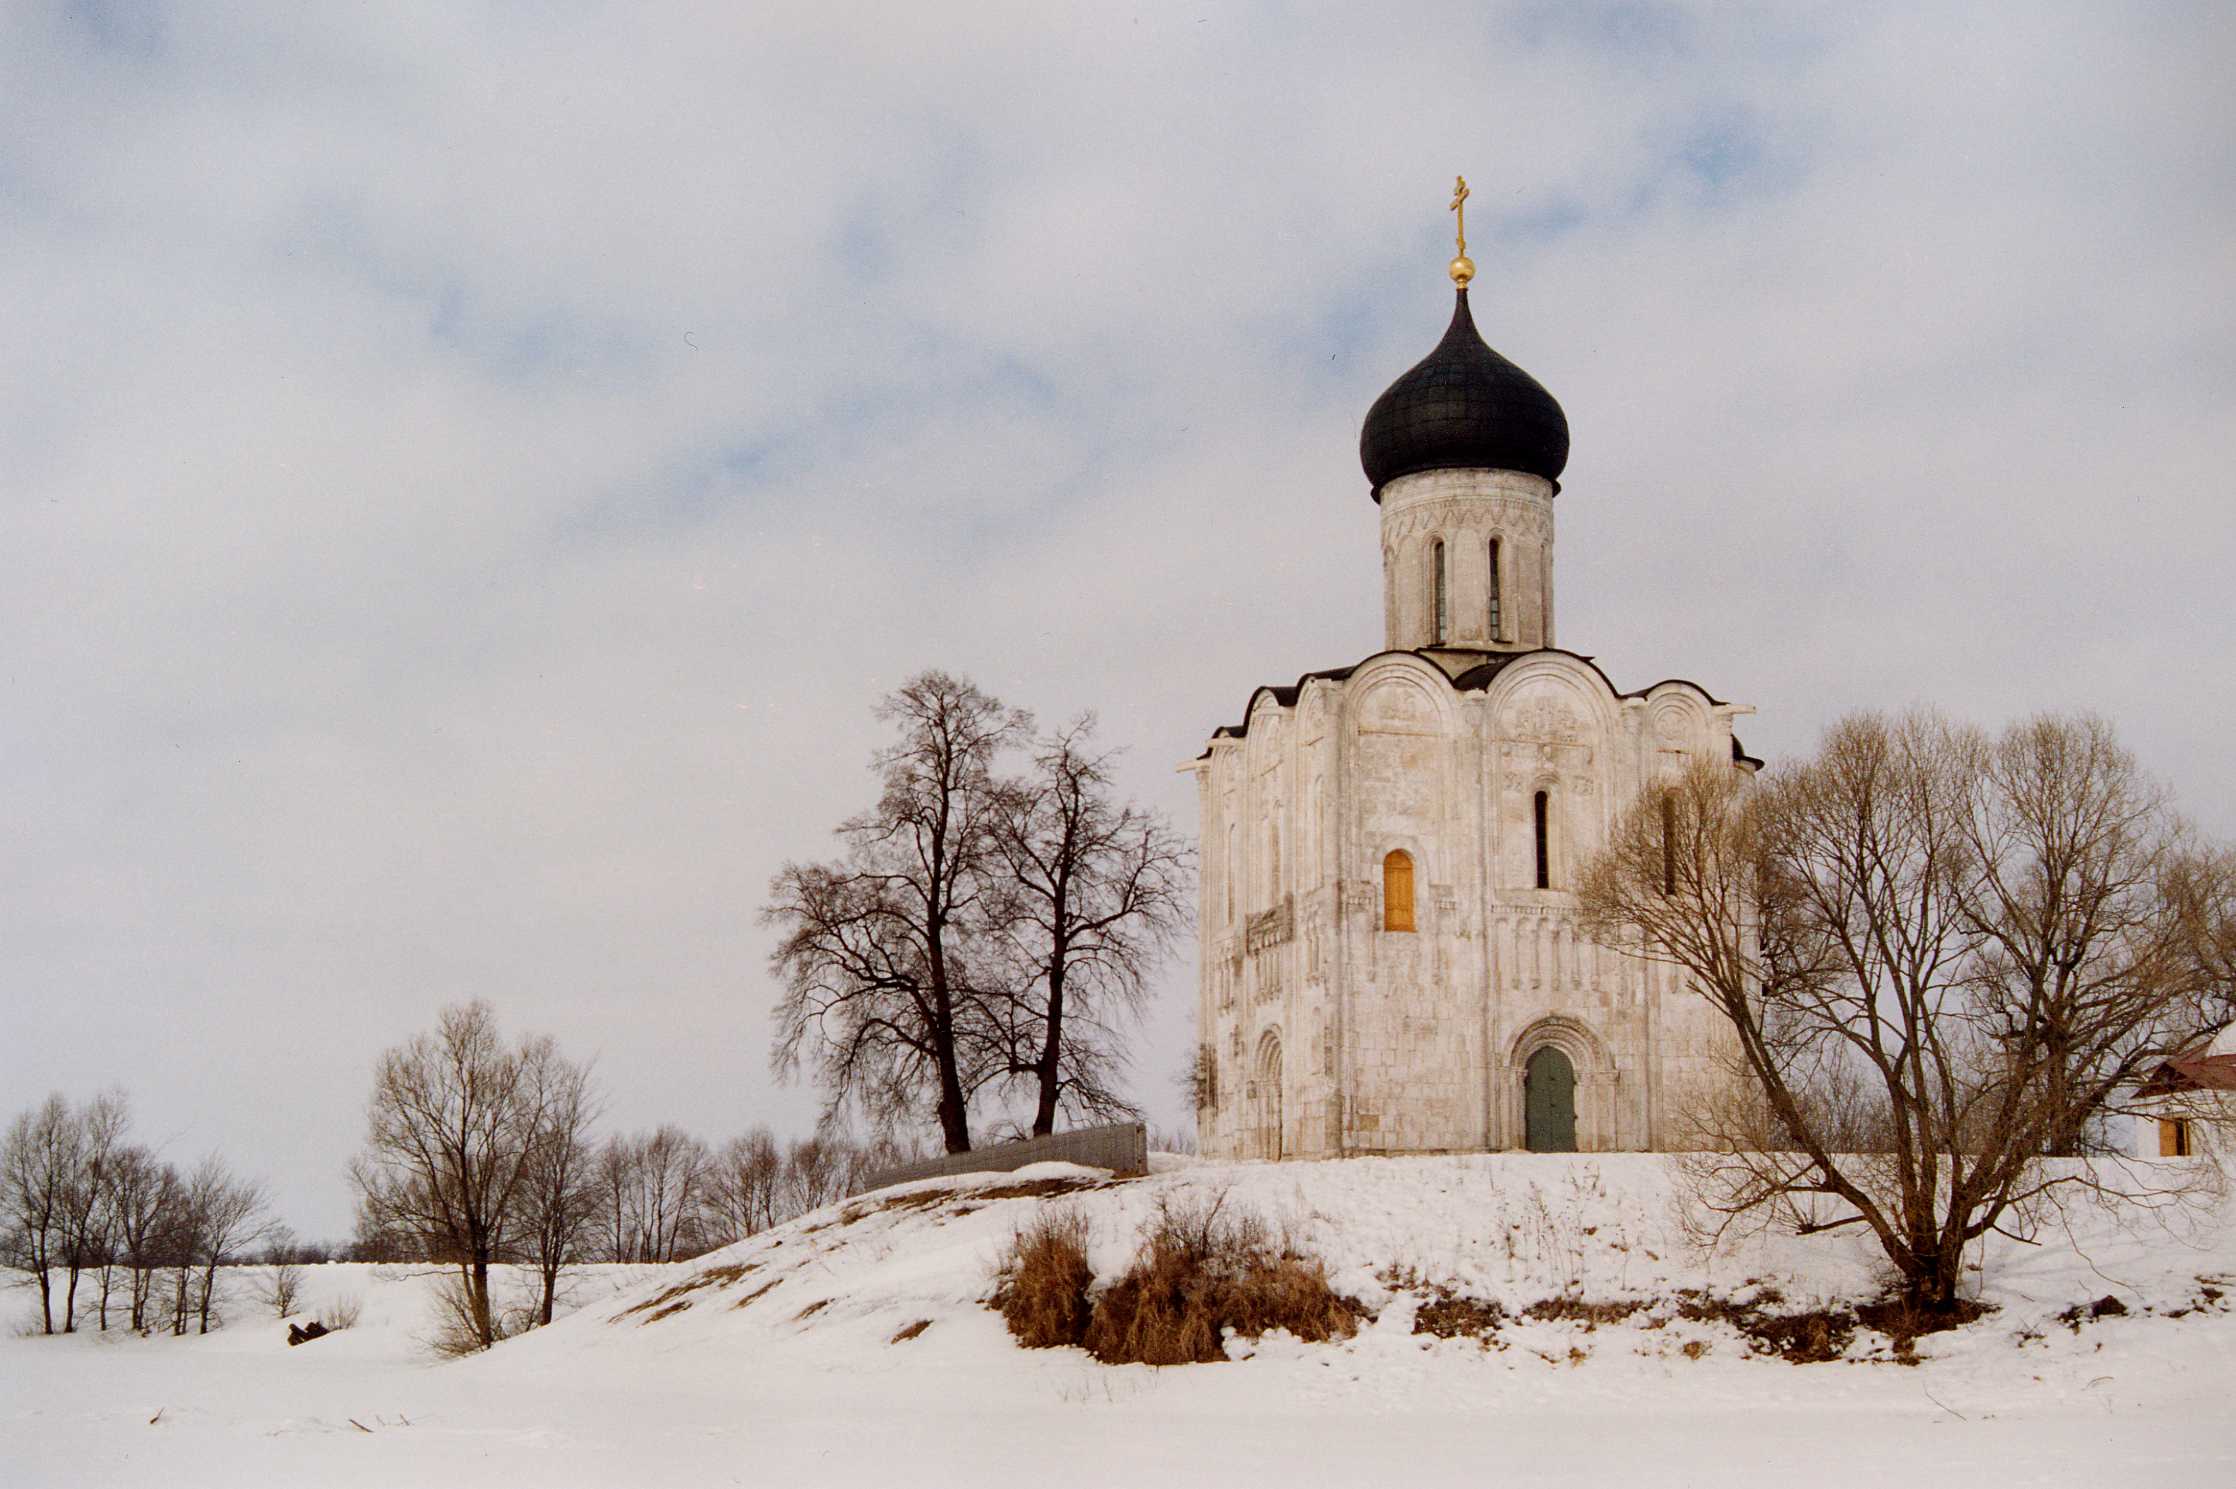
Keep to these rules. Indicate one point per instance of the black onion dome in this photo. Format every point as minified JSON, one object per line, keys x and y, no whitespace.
{"x":1463,"y":406}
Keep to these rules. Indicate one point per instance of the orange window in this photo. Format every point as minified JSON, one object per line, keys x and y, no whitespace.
{"x":1397,"y":891}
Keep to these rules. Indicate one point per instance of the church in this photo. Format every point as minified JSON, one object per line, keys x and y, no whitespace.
{"x":1390,"y":955}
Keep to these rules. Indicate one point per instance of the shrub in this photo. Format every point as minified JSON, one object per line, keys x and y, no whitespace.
{"x":457,"y":1333}
{"x":1201,"y":1273}
{"x":1042,"y":1294}
{"x":342,"y":1313}
{"x":283,"y":1288}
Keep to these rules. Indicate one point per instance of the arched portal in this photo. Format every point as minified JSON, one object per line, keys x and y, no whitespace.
{"x":1549,"y":1102}
{"x":1267,"y":1117}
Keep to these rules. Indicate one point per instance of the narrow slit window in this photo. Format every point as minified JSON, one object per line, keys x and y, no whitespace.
{"x":1540,"y":806}
{"x":1494,"y":615}
{"x":1397,"y":891}
{"x":1443,"y":592}
{"x":1234,"y":869}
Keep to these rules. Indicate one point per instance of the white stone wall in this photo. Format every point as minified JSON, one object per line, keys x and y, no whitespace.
{"x":1329,"y":1034}
{"x":1465,"y":510}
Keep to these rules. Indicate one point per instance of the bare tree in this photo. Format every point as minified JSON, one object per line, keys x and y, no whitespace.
{"x":866,"y":1159}
{"x":1092,"y":895}
{"x":559,"y":1201}
{"x":881,"y":999}
{"x":1866,"y":924}
{"x":42,"y":1155}
{"x":100,"y":1128}
{"x":815,"y":1173}
{"x":651,"y":1191}
{"x":745,"y":1186}
{"x":228,"y":1217}
{"x":674,"y":1175}
{"x":2093,"y":914}
{"x":109,"y":1219}
{"x":613,"y":1182}
{"x":452,"y":1130}
{"x":283,"y":1278}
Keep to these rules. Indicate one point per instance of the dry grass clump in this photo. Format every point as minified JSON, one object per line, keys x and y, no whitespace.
{"x":1035,"y":1188}
{"x":1449,"y":1315}
{"x":1903,"y":1321}
{"x":664,"y":1303}
{"x":1042,"y":1294}
{"x":1591,"y":1314}
{"x":1813,"y":1336}
{"x":758,"y":1293}
{"x":1445,"y":1313}
{"x":1201,"y":1273}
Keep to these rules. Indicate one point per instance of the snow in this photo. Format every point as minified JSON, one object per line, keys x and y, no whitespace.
{"x":804,"y":1382}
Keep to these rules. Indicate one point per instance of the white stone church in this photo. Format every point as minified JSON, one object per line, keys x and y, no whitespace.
{"x":1390,"y":954}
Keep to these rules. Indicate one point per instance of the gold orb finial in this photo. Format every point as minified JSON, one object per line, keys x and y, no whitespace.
{"x":1462,"y":268}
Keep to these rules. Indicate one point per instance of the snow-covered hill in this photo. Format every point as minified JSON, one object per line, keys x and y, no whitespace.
{"x":853,"y":1346}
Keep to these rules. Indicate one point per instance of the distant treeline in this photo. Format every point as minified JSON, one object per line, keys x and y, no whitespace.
{"x":109,"y":1231}
{"x":666,"y":1195}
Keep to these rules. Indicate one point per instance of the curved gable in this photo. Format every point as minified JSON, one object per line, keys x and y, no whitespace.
{"x":1399,"y":693}
{"x":1552,"y":696}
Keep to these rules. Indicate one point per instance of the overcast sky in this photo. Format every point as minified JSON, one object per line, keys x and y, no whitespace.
{"x":468,"y":470}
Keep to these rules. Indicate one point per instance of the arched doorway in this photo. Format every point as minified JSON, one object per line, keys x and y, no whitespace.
{"x":1549,"y":1102}
{"x":1269,"y":1097}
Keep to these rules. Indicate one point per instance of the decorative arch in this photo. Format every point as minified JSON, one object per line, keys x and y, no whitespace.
{"x":1576,"y":1038}
{"x":1398,"y":703}
{"x":1399,"y":692}
{"x":1556,"y":738}
{"x":1593,"y":704}
{"x":1595,"y":1081}
{"x":1677,"y":724}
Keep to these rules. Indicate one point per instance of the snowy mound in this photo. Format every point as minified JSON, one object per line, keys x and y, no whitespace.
{"x":1549,"y":1318}
{"x":877,"y":1281}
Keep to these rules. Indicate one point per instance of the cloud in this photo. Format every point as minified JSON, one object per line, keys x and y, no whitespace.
{"x":466,"y":474}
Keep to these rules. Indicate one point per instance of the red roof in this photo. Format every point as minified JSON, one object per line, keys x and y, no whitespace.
{"x":2199,"y":1073}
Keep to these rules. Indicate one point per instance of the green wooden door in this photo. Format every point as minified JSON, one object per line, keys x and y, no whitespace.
{"x":1549,"y":1103}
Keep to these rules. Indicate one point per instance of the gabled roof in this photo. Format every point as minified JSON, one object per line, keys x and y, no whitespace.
{"x":2192,"y":1073}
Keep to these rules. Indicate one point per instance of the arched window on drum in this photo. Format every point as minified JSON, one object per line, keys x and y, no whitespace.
{"x":1442,"y":591}
{"x":1496,"y":618}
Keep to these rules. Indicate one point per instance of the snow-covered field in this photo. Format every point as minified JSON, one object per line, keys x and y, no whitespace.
{"x":776,"y":1361}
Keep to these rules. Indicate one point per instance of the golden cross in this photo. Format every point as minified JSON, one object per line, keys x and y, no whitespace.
{"x":1462,"y":268}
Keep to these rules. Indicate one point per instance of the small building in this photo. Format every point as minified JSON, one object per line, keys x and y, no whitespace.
{"x":2186,"y":1106}
{"x":1391,"y":959}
